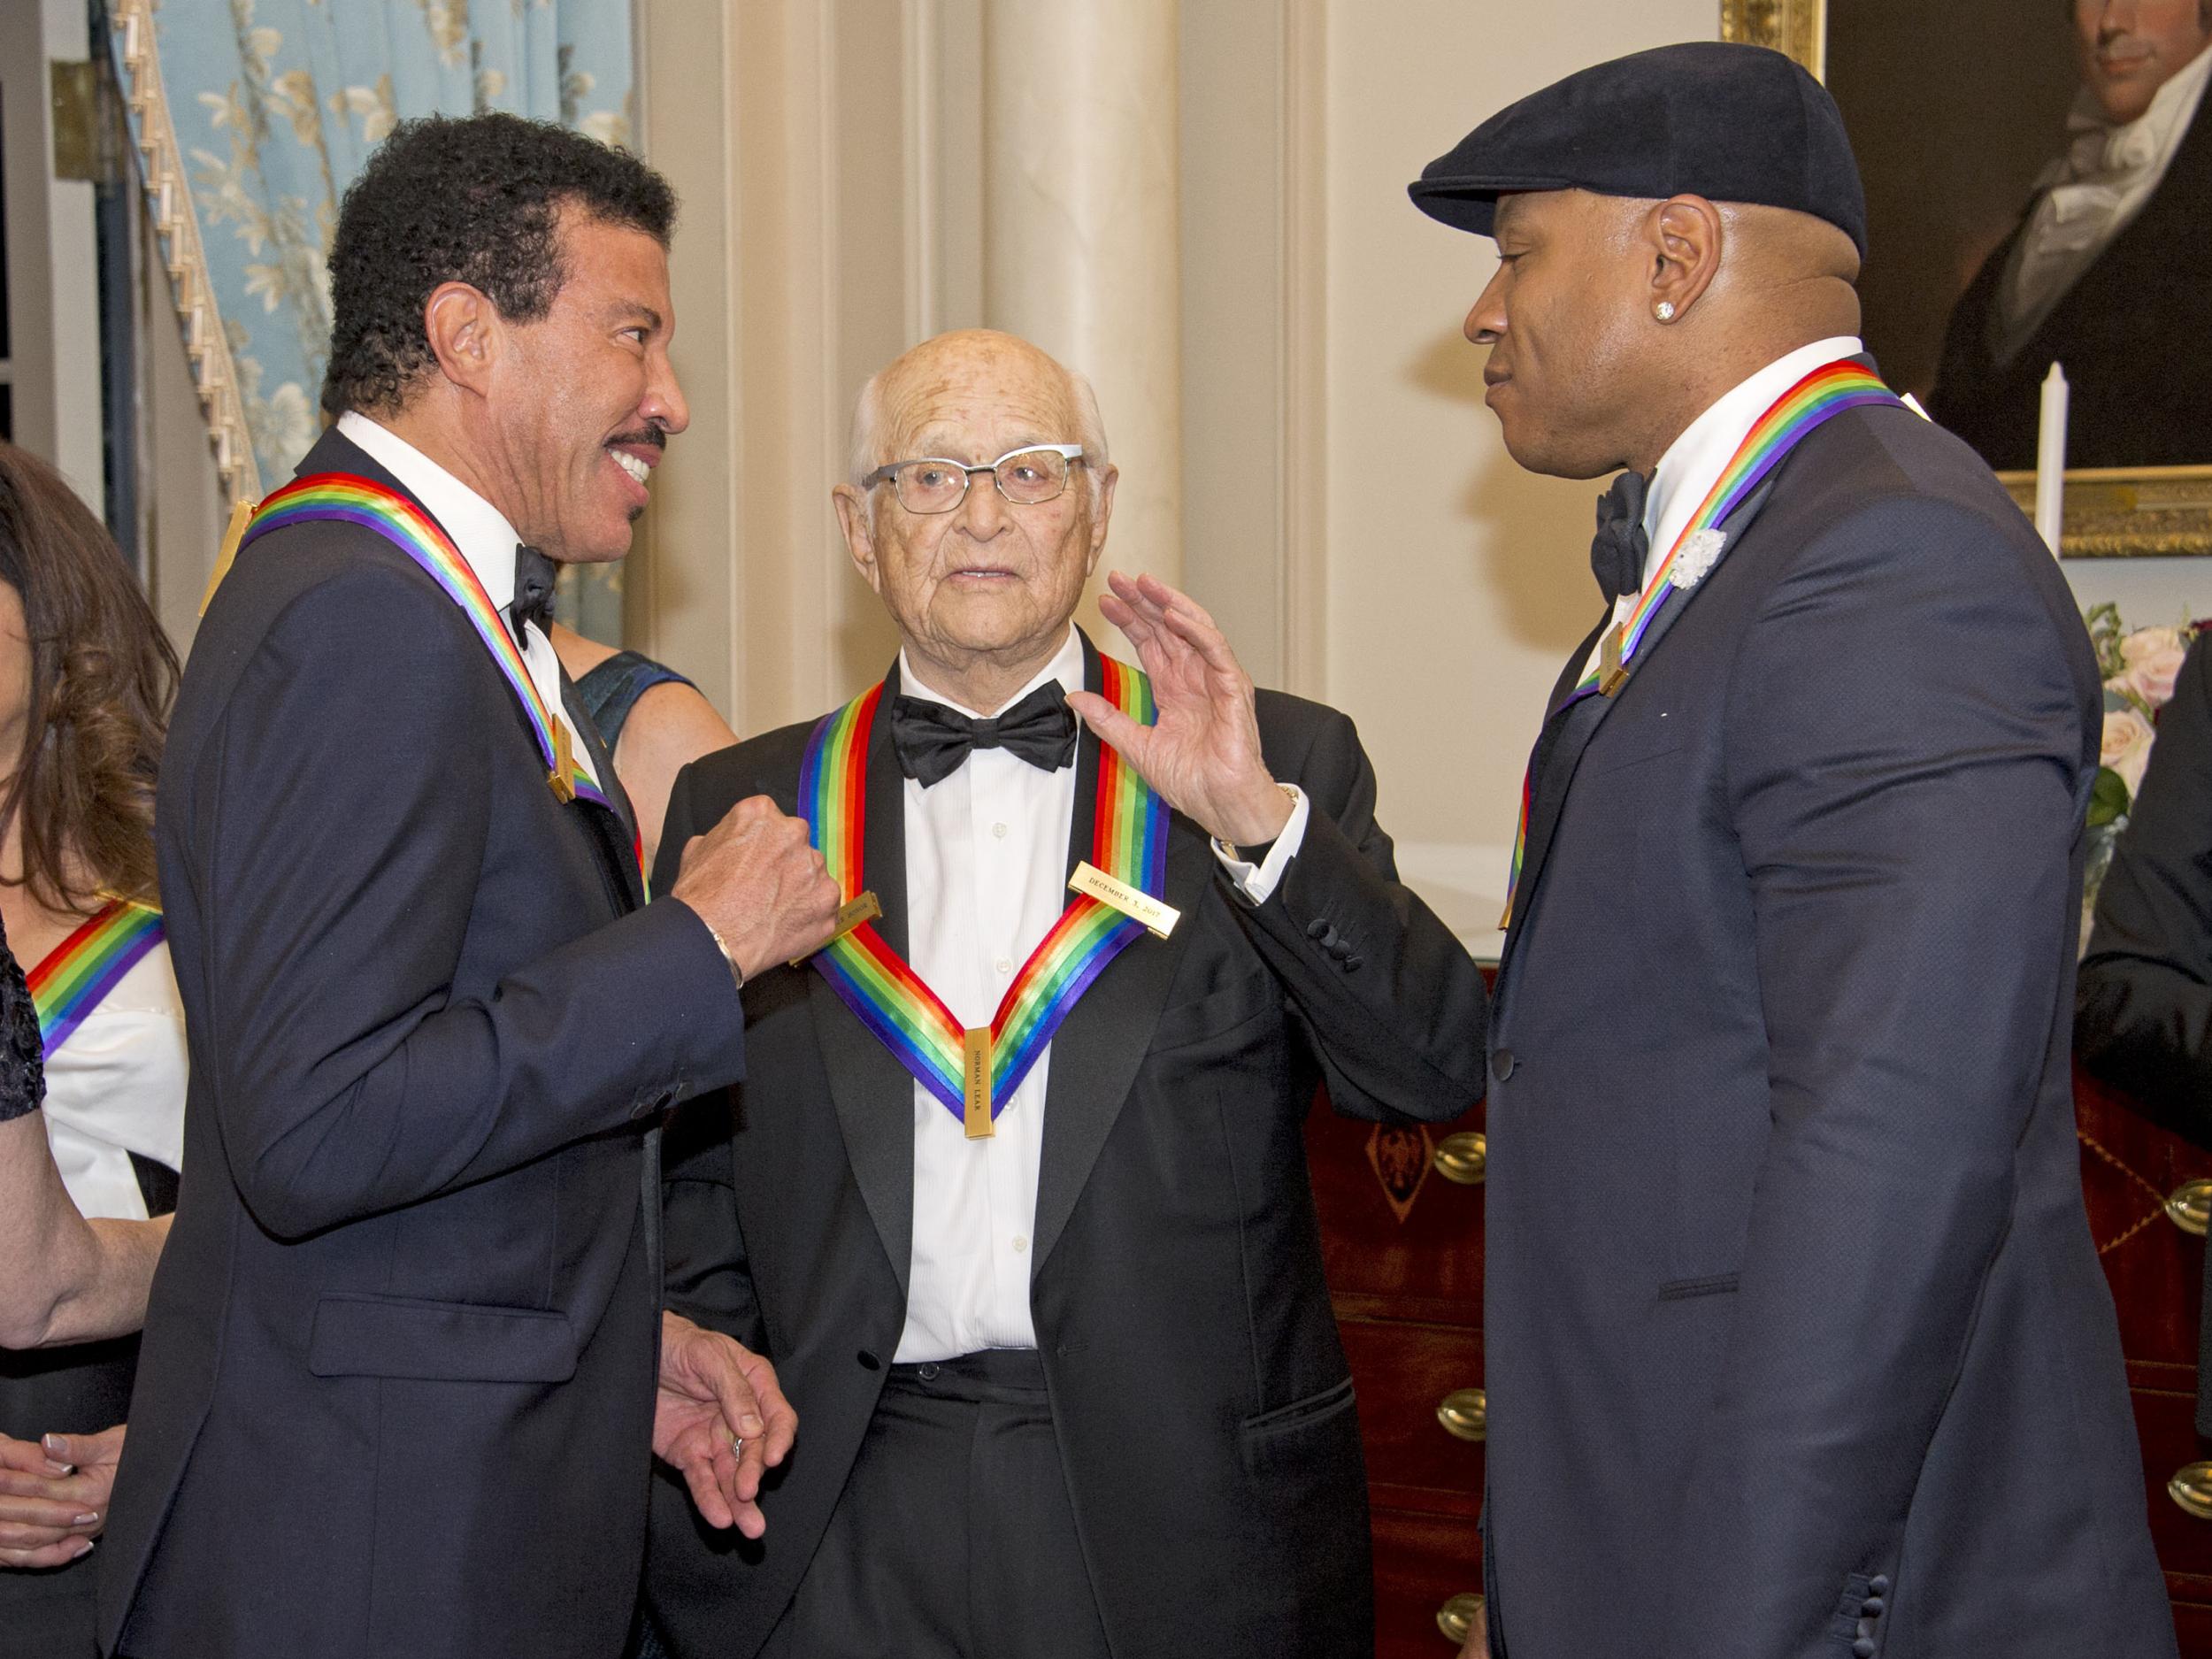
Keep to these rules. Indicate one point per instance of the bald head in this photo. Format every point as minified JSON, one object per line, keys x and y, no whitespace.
{"x":966,"y":363}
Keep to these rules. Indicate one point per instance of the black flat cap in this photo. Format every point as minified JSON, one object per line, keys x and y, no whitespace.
{"x":1727,"y":122}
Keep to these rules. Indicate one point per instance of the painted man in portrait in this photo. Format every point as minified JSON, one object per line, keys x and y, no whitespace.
{"x":2105,"y":274}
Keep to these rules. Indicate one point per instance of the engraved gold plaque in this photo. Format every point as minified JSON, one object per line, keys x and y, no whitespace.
{"x":1159,"y":918}
{"x":976,"y":1066}
{"x":1612,"y":675}
{"x":850,"y":914}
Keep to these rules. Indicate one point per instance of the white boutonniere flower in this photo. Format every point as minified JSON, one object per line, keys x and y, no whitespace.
{"x":1699,"y":553}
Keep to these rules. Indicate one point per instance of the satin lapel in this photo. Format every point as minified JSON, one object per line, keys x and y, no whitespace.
{"x":1096,"y":1053}
{"x":621,"y":822}
{"x":1568,"y":734}
{"x":872,"y":1092}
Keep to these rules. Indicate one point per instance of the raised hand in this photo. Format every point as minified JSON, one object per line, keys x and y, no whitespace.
{"x":760,"y":886}
{"x":54,"y":1495}
{"x":721,"y":1421}
{"x":1203,"y":752}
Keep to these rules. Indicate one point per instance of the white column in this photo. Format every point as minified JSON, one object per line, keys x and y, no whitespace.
{"x":1081,"y":245}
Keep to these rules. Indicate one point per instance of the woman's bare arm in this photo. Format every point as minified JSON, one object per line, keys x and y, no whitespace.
{"x":64,"y":1279}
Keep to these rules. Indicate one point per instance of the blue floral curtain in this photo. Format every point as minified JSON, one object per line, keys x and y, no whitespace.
{"x":276,"y":104}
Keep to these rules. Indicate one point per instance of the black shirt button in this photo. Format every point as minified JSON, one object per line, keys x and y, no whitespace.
{"x":868,"y":1360}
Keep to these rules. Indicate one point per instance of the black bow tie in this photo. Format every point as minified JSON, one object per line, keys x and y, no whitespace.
{"x":1618,"y":552}
{"x":533,"y":593}
{"x":933,"y":739}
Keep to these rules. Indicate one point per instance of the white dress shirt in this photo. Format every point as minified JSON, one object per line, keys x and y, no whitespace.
{"x":486,"y":540}
{"x":2087,"y":198}
{"x":116,"y":1086}
{"x":985,"y":879}
{"x":1694,"y":461}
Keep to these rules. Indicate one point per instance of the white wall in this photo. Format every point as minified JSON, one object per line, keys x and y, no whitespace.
{"x":1456,"y":583}
{"x":2149,"y":592}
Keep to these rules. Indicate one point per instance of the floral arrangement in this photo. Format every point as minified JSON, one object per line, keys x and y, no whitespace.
{"x":2138,"y":667}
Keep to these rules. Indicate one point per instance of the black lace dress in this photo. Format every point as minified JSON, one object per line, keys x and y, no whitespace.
{"x":22,"y":1056}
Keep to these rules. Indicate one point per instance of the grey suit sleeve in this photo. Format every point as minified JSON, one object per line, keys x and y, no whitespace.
{"x":2143,"y":1011}
{"x":1905,"y":759}
{"x":1393,"y":1003}
{"x":339,"y":835}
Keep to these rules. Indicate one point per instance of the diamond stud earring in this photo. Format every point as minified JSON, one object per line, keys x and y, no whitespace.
{"x":1664,"y":310}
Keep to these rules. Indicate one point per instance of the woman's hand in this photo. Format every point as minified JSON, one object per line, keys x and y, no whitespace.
{"x":54,"y":1495}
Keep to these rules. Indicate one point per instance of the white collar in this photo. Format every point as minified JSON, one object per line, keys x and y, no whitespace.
{"x":2100,"y":147}
{"x":1694,"y":461}
{"x":1066,"y":667}
{"x":479,"y":529}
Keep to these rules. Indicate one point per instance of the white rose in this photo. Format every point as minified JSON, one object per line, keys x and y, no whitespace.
{"x":2127,"y":746}
{"x":2153,"y":657}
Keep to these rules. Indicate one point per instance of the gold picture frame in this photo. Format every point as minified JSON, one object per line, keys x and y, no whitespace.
{"x":2111,"y":512}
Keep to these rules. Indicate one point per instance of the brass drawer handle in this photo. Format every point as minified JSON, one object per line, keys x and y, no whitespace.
{"x":1457,"y":1616}
{"x":2190,"y":1207}
{"x":2191,"y":1488}
{"x":1465,"y":1414}
{"x":1465,"y":1157}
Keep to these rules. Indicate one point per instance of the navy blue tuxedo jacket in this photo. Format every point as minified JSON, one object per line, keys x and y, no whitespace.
{"x":1204,"y":1406}
{"x":1794,"y":1333}
{"x":396,"y":1389}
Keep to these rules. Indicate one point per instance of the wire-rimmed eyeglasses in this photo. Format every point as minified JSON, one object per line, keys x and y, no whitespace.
{"x":1028,"y":477}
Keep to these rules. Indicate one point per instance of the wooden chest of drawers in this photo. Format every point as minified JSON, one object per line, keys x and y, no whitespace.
{"x":1403,"y":1246}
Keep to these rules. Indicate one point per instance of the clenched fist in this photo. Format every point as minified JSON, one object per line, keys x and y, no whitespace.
{"x":760,"y":886}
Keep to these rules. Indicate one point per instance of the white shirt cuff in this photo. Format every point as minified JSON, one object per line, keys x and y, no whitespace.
{"x":1258,"y":882}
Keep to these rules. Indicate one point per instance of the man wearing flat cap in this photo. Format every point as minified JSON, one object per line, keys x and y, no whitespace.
{"x":1795,"y":1336}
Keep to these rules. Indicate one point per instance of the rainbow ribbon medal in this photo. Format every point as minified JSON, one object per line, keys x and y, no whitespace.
{"x":79,"y":973}
{"x":350,"y":499}
{"x":974,"y":1072}
{"x":1795,"y":415}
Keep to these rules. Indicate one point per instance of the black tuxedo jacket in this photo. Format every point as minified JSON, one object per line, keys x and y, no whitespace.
{"x":1205,"y":1411}
{"x":2144,"y":1007}
{"x":1794,"y":1335}
{"x":396,"y":1390}
{"x":2130,"y":333}
{"x":2143,"y":1013}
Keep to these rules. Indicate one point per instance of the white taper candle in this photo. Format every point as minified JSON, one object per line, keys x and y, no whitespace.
{"x":2050,"y":461}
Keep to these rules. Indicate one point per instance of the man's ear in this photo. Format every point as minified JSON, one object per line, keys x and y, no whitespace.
{"x":1684,"y":236}
{"x":1108,"y":477}
{"x":860,"y":540}
{"x":466,"y":334}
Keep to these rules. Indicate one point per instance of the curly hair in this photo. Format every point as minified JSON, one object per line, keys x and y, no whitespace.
{"x":102,"y":678}
{"x":474,"y":199}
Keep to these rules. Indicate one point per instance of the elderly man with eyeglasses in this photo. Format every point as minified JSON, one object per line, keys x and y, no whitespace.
{"x":1014,"y":1194}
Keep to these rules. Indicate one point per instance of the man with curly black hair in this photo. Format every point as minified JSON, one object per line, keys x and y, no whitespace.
{"x":398,"y":1383}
